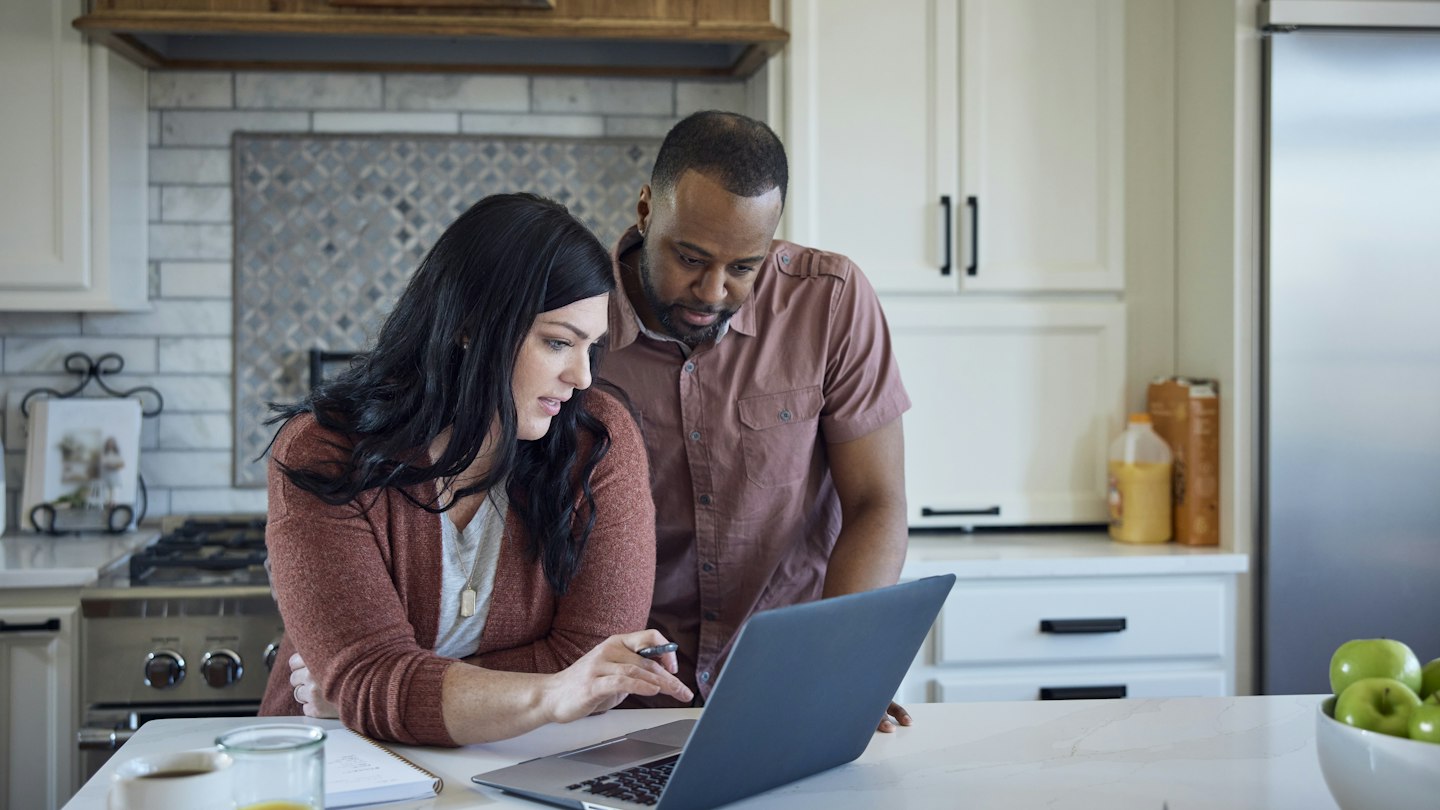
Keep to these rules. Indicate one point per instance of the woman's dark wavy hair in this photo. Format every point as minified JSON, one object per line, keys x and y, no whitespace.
{"x":507,"y":259}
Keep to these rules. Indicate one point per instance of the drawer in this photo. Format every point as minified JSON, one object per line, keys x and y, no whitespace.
{"x":1027,"y":621}
{"x":1062,"y":685}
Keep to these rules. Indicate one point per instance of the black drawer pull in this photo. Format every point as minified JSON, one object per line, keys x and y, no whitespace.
{"x":926,"y":511}
{"x":1067,"y":626}
{"x":1082,"y":692}
{"x":39,"y":627}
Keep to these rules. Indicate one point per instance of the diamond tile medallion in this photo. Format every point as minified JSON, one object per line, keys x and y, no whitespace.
{"x":329,"y":228}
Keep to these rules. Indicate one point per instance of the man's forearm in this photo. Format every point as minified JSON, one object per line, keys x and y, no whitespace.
{"x":869,"y":551}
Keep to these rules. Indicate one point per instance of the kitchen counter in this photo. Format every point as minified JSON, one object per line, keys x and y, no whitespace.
{"x":983,"y":555}
{"x":67,"y":560}
{"x":1197,"y":753}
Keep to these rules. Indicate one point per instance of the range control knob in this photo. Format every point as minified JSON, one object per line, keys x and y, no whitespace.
{"x":164,"y":669}
{"x":222,"y":668}
{"x":271,"y":650}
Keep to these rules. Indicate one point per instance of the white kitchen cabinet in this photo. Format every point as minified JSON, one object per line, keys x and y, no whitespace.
{"x":1046,"y":616}
{"x":1014,"y":405}
{"x":73,"y":153}
{"x":37,"y":724}
{"x":961,"y":145}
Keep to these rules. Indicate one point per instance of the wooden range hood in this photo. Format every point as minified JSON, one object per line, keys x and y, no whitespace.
{"x":694,"y":38}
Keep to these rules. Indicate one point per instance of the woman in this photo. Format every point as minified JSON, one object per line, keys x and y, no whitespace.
{"x":455,"y":524}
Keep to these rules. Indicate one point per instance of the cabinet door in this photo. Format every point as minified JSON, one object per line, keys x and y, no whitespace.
{"x":43,"y":142}
{"x":72,"y":148}
{"x":1042,"y":125}
{"x":1014,"y":406}
{"x":37,"y":726}
{"x":870,"y":117}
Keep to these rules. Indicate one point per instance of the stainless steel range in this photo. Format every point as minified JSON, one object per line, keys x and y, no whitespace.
{"x":189,"y":630}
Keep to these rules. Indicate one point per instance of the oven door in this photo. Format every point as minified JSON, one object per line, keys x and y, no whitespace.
{"x":105,"y":728}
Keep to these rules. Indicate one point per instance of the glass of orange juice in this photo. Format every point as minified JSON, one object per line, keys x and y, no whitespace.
{"x":277,"y":766}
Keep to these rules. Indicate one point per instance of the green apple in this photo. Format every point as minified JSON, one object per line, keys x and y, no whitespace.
{"x":1377,"y":704}
{"x":1430,"y":679}
{"x":1373,"y":658}
{"x":1425,"y":723}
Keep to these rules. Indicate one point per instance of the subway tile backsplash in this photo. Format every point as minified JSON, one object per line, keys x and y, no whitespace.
{"x":184,"y":345}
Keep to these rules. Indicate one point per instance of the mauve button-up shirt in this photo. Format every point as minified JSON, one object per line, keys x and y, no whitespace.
{"x":746,"y":510}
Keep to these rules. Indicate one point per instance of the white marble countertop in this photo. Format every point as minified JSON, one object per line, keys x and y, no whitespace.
{"x":1247,"y":753}
{"x":67,"y":560}
{"x":983,"y":555}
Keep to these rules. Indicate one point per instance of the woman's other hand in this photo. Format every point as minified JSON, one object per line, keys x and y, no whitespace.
{"x":610,"y":672}
{"x":307,"y":692}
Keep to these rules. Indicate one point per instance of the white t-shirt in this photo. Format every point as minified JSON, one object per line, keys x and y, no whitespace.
{"x":470,"y":559}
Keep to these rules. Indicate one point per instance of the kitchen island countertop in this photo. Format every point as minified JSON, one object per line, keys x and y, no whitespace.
{"x":1245,"y":753}
{"x":981,"y":555}
{"x":67,"y":560}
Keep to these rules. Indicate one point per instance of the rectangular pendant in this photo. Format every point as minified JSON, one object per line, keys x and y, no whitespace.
{"x":467,"y":602}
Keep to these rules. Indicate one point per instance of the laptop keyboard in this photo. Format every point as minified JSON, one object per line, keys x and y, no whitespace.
{"x":641,"y":784}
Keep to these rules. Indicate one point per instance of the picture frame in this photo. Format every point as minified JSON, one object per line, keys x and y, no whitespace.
{"x":82,"y":461}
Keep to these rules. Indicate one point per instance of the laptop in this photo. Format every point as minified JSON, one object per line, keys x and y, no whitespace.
{"x":803,"y":690}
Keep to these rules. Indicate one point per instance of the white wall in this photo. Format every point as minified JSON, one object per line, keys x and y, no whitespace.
{"x":183,"y":345}
{"x":1218,"y":83}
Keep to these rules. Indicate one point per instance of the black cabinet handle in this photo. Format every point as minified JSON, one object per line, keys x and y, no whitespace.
{"x":974,"y":204}
{"x":1064,"y":626}
{"x":50,"y":625}
{"x":926,"y":511}
{"x":947,"y":218}
{"x":1082,"y":692}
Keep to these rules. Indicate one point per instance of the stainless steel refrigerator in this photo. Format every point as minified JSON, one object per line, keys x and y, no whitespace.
{"x":1350,"y":459}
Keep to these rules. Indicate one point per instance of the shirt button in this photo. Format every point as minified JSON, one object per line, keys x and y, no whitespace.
{"x":784,"y":258}
{"x":784,"y":416}
{"x":704,"y":677}
{"x":690,"y":367}
{"x":707,"y":568}
{"x":704,"y":500}
{"x":711,"y":615}
{"x":694,"y":435}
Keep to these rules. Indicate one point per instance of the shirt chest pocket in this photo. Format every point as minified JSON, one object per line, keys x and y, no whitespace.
{"x":779,"y":432}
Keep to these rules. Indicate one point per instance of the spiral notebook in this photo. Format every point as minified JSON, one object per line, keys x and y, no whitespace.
{"x":360,"y":771}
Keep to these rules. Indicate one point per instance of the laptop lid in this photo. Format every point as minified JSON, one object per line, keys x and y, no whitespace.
{"x":803,"y":690}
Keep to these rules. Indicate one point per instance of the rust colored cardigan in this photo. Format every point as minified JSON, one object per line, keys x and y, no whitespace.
{"x":359,"y":594}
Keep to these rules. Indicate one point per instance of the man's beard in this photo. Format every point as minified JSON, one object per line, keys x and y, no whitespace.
{"x":664,"y":311}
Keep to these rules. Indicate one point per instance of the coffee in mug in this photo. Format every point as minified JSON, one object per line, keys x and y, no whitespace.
{"x":199,"y":780}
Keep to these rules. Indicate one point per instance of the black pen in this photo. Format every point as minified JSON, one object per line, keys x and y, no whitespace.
{"x":656,"y":652}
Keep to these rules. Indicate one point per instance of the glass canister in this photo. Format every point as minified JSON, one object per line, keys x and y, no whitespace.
{"x":277,"y":767}
{"x":1141,"y":492}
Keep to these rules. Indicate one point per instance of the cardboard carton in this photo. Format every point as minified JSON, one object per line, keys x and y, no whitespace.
{"x":1186,"y":414}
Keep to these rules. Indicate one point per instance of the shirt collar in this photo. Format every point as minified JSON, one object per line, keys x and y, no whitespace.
{"x":625,"y":323}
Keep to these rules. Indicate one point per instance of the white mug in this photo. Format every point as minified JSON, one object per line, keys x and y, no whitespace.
{"x":186,"y":780}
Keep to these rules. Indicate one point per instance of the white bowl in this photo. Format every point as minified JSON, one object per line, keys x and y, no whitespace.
{"x":1366,"y":770}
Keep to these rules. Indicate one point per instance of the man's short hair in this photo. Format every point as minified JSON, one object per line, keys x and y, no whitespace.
{"x":741,"y":154}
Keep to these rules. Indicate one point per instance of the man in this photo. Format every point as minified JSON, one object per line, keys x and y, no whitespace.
{"x":763,"y":380}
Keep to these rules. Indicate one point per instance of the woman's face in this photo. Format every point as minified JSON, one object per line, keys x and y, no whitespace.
{"x":554,"y":362}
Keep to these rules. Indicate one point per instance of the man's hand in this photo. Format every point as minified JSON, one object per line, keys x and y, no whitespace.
{"x":901,"y":717}
{"x":307,"y":692}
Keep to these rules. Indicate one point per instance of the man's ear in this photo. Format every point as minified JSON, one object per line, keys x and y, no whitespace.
{"x":642,"y":210}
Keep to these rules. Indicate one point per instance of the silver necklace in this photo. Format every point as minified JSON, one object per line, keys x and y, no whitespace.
{"x":467,"y":594}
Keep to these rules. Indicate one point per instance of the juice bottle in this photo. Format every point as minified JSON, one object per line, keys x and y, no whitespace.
{"x":1140,"y":484}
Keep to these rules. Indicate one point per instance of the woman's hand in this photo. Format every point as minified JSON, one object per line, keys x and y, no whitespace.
{"x":307,"y":692}
{"x":610,"y":672}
